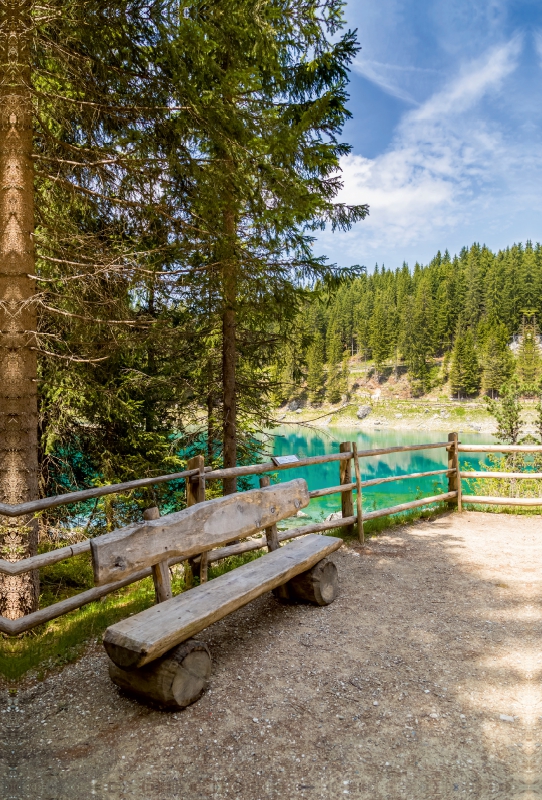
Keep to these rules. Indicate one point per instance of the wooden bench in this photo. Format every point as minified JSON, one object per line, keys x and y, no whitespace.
{"x":153,"y":653}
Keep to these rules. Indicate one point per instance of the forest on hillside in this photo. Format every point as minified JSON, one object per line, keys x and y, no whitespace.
{"x":470,"y":320}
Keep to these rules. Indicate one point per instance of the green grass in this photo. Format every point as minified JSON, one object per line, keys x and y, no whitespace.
{"x":62,"y":640}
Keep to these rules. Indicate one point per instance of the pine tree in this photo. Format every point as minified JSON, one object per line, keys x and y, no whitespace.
{"x":315,"y":369}
{"x":457,"y":367}
{"x":507,"y":412}
{"x":465,"y":369}
{"x":471,"y":367}
{"x":497,"y":360}
{"x":417,"y":335}
{"x":345,"y":374}
{"x":379,"y":339}
{"x":78,"y":99}
{"x":270,"y":93}
{"x":334,"y":348}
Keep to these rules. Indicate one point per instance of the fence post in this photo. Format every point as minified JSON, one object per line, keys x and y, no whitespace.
{"x":345,"y":472}
{"x":454,"y":480}
{"x":195,"y":493}
{"x":359,"y":496}
{"x":160,"y":571}
{"x":271,"y":533}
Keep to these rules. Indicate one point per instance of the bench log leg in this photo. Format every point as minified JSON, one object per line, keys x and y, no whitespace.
{"x":317,"y":585}
{"x":175,"y":680}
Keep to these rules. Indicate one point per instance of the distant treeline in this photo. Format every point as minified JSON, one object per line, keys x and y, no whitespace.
{"x":468,"y":309}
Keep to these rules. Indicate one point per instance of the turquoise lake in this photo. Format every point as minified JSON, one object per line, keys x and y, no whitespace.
{"x":304,"y":442}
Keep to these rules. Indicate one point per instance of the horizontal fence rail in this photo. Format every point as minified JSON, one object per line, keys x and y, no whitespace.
{"x":34,"y":506}
{"x":502,"y":501}
{"x":531,"y":476}
{"x":196,"y":478}
{"x":500,"y":448}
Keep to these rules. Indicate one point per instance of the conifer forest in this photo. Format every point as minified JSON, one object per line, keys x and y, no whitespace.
{"x":467,"y":323}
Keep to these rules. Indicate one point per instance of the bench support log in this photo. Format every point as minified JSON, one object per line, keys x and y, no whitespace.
{"x":195,"y":493}
{"x":271,"y":533}
{"x":174,"y":681}
{"x":317,"y":585}
{"x":160,"y":571}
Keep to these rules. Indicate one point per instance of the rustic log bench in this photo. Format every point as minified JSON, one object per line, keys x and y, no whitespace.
{"x":152,"y":653}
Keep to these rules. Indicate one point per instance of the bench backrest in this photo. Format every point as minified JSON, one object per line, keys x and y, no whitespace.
{"x":194,"y":530}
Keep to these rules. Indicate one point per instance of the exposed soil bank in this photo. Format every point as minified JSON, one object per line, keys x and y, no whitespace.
{"x":420,"y":681}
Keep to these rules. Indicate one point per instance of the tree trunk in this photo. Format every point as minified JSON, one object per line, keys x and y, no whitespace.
{"x":229,"y":355}
{"x":213,"y":430}
{"x":18,"y":364}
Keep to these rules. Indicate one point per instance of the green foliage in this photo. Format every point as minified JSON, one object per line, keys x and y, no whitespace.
{"x":379,"y":337}
{"x":417,"y":336}
{"x":315,"y":369}
{"x":337,"y":382}
{"x":465,"y":369}
{"x":523,"y":487}
{"x":416,"y":314}
{"x":497,"y":360}
{"x":529,"y":363}
{"x":183,"y":165}
{"x":507,"y":412}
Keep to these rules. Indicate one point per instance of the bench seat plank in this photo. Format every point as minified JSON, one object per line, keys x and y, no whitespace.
{"x":137,"y":640}
{"x":194,"y":530}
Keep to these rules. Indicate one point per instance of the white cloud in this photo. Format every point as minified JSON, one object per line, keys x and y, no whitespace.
{"x":447,"y":158}
{"x":379,"y":74}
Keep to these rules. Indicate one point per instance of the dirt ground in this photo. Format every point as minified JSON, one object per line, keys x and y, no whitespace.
{"x":420,"y":681}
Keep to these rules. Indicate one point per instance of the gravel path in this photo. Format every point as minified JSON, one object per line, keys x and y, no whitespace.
{"x":420,"y":681}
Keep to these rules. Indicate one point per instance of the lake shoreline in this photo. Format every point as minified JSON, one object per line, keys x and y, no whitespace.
{"x":386,"y":418}
{"x":398,"y":425}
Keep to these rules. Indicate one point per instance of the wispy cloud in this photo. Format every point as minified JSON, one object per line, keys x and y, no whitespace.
{"x":446,"y":159}
{"x":379,"y":74}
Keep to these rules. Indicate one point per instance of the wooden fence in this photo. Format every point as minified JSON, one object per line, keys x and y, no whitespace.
{"x":197,"y":476}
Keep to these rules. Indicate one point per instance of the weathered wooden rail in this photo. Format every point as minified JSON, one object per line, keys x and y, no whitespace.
{"x":197,"y":476}
{"x":500,"y":501}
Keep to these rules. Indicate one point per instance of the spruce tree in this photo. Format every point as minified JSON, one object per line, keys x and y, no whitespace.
{"x":507,"y":412}
{"x":345,"y":374}
{"x":379,"y":338}
{"x":417,"y":334}
{"x":497,"y":360}
{"x":315,"y":369}
{"x":78,"y":98}
{"x":334,"y":348}
{"x":270,"y":94}
{"x":457,"y":367}
{"x":471,"y":367}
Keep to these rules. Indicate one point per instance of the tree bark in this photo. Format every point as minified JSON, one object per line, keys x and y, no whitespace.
{"x":229,"y":355}
{"x":18,"y":361}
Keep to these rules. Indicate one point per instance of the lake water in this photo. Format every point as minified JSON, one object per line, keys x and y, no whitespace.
{"x":304,"y":442}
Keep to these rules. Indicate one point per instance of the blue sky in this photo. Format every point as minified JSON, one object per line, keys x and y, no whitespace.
{"x":446,"y":97}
